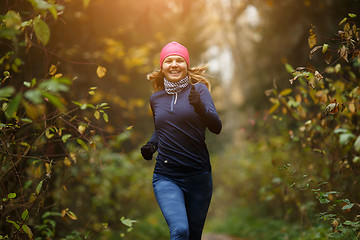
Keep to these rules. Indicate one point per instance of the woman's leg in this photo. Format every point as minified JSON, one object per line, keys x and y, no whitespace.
{"x":172,"y":204}
{"x":197,"y":197}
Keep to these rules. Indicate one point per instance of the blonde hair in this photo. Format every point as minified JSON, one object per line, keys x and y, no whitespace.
{"x":196,"y":75}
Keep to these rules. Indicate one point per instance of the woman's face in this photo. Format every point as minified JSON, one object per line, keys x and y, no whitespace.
{"x":174,"y":68}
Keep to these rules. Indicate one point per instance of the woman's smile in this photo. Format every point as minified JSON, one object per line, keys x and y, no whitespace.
{"x":174,"y":68}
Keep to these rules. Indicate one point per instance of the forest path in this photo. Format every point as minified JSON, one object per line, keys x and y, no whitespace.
{"x":216,"y":236}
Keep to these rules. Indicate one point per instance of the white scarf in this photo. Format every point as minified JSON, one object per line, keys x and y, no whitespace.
{"x":175,"y":87}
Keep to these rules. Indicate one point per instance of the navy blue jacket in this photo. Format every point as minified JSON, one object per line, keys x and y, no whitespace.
{"x":179,"y":133}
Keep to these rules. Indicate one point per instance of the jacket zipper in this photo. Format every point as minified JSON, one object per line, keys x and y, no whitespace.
{"x":173,"y":101}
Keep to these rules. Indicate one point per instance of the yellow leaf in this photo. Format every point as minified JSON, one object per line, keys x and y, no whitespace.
{"x":97,"y":115}
{"x":312,"y":40}
{"x":63,"y":212}
{"x":48,"y":133}
{"x":58,"y":75}
{"x":286,"y":92}
{"x":101,"y":71}
{"x":52,"y":70}
{"x":71,"y":215}
{"x":81,"y":129}
{"x":325,"y":47}
{"x":273,"y":108}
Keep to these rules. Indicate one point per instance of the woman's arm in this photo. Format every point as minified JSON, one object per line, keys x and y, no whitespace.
{"x":202,"y":101}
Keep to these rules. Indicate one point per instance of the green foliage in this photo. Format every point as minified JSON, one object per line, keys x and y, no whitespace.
{"x":250,"y":222}
{"x":67,"y":164}
{"x":40,"y":136}
{"x":324,"y":106}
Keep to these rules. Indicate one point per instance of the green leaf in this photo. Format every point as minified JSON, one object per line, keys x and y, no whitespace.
{"x":127,"y":222}
{"x":325,"y":47}
{"x":106,"y":117}
{"x":27,"y":184}
{"x":353,"y":224}
{"x":357,"y":144}
{"x":345,"y":138}
{"x":12,"y":20}
{"x":341,"y":130}
{"x":345,"y":201}
{"x":289,"y":68}
{"x":84,"y":106}
{"x":25,"y":144}
{"x":38,"y":188}
{"x":348,"y":206}
{"x":71,"y":215}
{"x":13,"y":106}
{"x":18,"y":61}
{"x":28,"y":231}
{"x":11,"y":195}
{"x":34,"y":95}
{"x":65,"y":137}
{"x":55,"y":85}
{"x":42,"y":30}
{"x":49,"y":214}
{"x":103,"y":105}
{"x":40,"y":4}
{"x":53,"y":11}
{"x":352,"y":15}
{"x":77,"y":103}
{"x":6,"y":92}
{"x":13,"y":223}
{"x":342,"y":21}
{"x":33,"y":82}
{"x":55,"y":100}
{"x":25,"y":215}
{"x":82,"y":143}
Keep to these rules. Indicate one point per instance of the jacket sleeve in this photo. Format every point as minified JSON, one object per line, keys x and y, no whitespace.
{"x":154,"y":138}
{"x":209,"y":114}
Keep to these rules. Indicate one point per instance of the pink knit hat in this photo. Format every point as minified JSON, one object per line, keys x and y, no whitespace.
{"x":174,"y":48}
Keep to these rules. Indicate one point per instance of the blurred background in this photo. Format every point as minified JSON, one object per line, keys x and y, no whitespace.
{"x":75,"y":112}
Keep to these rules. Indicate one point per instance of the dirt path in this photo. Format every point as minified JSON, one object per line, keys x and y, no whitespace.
{"x":211,"y":236}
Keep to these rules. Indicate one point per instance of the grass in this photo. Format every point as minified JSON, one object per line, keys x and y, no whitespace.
{"x":247,"y":224}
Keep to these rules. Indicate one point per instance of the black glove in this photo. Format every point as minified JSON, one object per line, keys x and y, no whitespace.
{"x":147,"y":151}
{"x":194,"y":99}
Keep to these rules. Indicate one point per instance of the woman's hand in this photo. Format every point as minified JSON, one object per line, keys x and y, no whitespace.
{"x":194,"y":99}
{"x":147,"y":151}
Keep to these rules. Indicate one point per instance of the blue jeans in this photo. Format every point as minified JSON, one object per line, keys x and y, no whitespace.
{"x":184,"y":202}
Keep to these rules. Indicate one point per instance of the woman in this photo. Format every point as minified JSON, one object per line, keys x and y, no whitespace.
{"x":182,"y":108}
